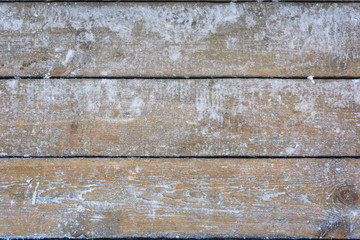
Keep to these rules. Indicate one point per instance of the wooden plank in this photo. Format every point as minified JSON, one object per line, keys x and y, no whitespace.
{"x":201,"y":117}
{"x":184,"y":197}
{"x":194,"y":39}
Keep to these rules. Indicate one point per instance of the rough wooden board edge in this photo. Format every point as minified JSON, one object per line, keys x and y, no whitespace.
{"x":185,"y":197}
{"x":177,"y":39}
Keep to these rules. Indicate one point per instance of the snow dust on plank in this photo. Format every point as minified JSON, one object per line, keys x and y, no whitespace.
{"x":177,"y":39}
{"x":180,"y":197}
{"x":164,"y":117}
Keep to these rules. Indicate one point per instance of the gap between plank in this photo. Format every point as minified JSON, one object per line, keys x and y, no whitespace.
{"x":177,"y":77}
{"x":162,"y":237}
{"x":180,"y":1}
{"x":187,"y":157}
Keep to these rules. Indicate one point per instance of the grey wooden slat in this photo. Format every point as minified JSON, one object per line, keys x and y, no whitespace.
{"x":177,"y":39}
{"x":201,"y":117}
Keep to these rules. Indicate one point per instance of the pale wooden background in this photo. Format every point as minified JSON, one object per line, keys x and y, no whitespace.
{"x":180,"y":119}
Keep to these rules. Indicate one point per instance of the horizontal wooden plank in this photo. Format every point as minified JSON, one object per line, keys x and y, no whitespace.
{"x":185,"y":197}
{"x":177,"y":39}
{"x":201,"y":117}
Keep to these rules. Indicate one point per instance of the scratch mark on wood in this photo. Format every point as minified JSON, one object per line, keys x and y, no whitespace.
{"x":34,"y":197}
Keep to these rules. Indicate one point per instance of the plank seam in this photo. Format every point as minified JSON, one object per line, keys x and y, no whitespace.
{"x":176,"y":1}
{"x":178,"y":77}
{"x":162,"y":237}
{"x":184,"y":157}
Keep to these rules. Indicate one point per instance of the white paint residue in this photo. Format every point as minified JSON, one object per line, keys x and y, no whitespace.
{"x":81,"y":194}
{"x":356,"y":84}
{"x":80,"y":208}
{"x":13,"y":25}
{"x":311,"y":78}
{"x":69,"y":56}
{"x":305,"y":199}
{"x":13,"y":84}
{"x":137,"y":170}
{"x":97,"y":217}
{"x":290,"y":150}
{"x":270,"y":196}
{"x":29,"y":181}
{"x":121,"y":120}
{"x":174,"y":54}
{"x":104,"y":73}
{"x":89,"y":36}
{"x":136,"y":106}
{"x":35,"y":193}
{"x":354,"y":213}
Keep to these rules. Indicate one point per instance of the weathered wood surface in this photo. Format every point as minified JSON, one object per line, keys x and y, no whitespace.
{"x":202,"y":117}
{"x":198,"y":197}
{"x":195,"y":39}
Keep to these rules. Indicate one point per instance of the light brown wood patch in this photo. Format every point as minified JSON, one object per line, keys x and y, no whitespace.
{"x":179,"y":39}
{"x":185,"y":197}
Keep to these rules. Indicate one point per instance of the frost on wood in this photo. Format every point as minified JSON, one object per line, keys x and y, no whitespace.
{"x":179,"y":117}
{"x":122,"y":39}
{"x":123,"y":197}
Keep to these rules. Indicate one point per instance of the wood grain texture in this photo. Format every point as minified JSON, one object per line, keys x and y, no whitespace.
{"x":177,"y":39}
{"x":202,"y":117}
{"x":192,"y":197}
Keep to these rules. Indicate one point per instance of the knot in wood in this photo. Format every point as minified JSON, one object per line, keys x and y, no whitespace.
{"x":74,"y":127}
{"x":347,"y":195}
{"x":335,"y":227}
